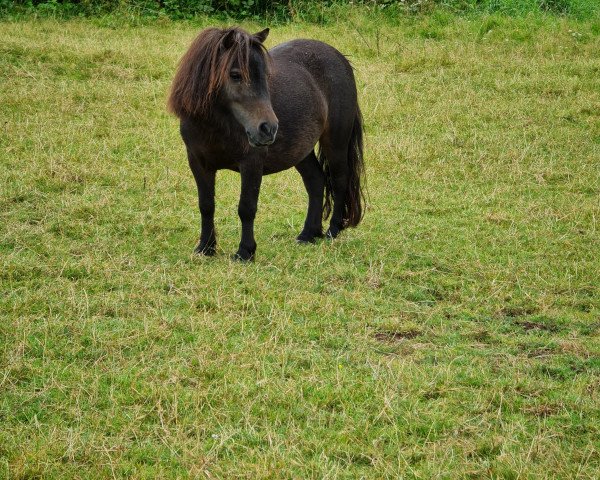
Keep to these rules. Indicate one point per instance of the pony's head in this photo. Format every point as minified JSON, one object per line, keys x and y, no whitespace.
{"x":227,"y":69}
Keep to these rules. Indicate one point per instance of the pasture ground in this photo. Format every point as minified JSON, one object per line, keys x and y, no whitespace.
{"x":453,"y":334}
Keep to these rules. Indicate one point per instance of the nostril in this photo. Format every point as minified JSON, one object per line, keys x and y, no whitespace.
{"x":265,"y":128}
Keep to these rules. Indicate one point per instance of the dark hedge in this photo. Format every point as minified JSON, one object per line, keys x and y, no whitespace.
{"x":287,"y":9}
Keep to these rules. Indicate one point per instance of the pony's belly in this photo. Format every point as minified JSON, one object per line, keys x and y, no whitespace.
{"x":279,"y":159}
{"x":297,"y":137}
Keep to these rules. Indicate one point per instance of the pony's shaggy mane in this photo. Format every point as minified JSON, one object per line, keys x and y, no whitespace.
{"x":205,"y":66}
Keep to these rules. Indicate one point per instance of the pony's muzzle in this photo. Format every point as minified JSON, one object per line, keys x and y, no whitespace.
{"x":265,"y":135}
{"x":268,"y":130}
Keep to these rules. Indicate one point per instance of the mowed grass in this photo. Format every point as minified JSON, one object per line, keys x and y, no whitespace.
{"x":453,"y":334}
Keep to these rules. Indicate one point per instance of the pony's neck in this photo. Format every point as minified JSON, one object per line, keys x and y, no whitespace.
{"x":219,"y":122}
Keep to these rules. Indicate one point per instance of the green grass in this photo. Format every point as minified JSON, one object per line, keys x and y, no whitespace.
{"x":453,"y":334}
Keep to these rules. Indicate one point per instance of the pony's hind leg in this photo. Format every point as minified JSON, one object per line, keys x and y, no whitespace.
{"x":337,"y":164}
{"x":314,"y":181}
{"x":342,"y":155}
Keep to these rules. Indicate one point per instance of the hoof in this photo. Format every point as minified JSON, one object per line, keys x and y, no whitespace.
{"x":332,"y":233}
{"x":243,"y":256}
{"x":305,"y":239}
{"x":308,"y":237}
{"x":206,"y":250}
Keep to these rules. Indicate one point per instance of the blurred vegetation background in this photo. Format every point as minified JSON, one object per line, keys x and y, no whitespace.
{"x":286,"y":10}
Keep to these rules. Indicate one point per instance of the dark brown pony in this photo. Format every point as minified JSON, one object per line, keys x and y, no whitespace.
{"x":258,"y":112}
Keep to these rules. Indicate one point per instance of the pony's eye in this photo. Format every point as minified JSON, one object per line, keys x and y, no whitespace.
{"x":235,"y":76}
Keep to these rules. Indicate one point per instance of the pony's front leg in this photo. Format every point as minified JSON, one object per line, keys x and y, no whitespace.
{"x":205,"y":181}
{"x":251,"y":171}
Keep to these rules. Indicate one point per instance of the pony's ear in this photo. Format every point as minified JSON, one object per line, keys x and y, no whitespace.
{"x":229,"y":39}
{"x":262,"y":36}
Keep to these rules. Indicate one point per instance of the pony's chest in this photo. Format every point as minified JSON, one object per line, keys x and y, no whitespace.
{"x":216,"y":155}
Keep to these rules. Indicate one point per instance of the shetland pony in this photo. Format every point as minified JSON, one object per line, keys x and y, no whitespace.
{"x":259,"y":112}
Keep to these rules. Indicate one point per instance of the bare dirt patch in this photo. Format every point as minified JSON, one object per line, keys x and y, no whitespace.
{"x":396,"y":336}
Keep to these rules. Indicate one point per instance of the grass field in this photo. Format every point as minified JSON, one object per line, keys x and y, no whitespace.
{"x":453,"y":334}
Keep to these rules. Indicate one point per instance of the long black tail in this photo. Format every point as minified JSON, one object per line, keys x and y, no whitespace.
{"x":355,"y":196}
